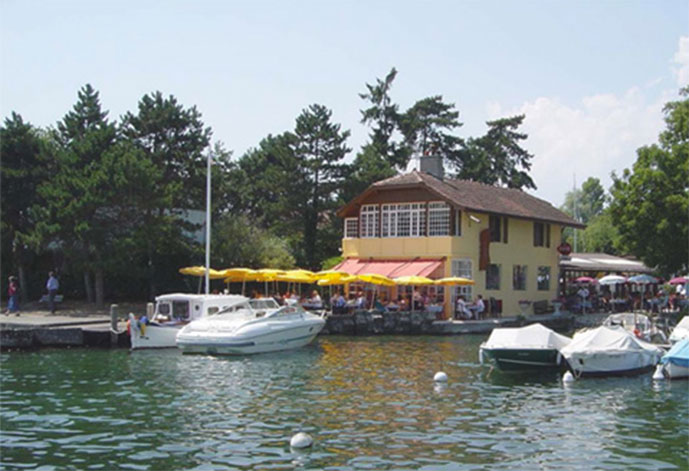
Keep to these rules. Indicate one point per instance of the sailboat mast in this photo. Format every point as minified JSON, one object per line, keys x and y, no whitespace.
{"x":208,"y":218}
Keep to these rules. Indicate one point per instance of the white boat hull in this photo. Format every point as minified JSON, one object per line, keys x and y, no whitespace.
{"x":611,"y":363}
{"x":279,"y":337}
{"x":153,"y":335}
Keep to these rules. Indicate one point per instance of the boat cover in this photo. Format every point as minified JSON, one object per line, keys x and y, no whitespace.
{"x":532,"y":336}
{"x":678,"y":354}
{"x":607,"y":339}
{"x":681,"y":331}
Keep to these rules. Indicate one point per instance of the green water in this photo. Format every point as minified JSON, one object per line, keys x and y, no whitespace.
{"x":369,"y":403}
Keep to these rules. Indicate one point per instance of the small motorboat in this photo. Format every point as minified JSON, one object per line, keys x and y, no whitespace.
{"x":241,"y":332}
{"x":524,"y":348}
{"x":681,"y":330}
{"x":609,"y":351}
{"x":174,"y":311}
{"x":675,"y":363}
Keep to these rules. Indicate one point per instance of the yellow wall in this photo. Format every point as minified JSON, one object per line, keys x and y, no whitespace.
{"x":518,"y":251}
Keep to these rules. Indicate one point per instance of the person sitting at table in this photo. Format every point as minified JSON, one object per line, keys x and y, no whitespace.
{"x":392,"y":306}
{"x":315,"y":300}
{"x":403,"y":304}
{"x":418,"y":300}
{"x":479,"y":306}
{"x":361,"y":301}
{"x":462,"y":311}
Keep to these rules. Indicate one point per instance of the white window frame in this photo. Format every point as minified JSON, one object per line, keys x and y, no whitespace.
{"x":462,"y":267}
{"x":351,"y":228}
{"x":438,"y":209}
{"x":368,"y":221}
{"x":393,"y":213}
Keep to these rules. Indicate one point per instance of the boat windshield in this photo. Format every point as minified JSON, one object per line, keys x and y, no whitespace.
{"x":288,"y":311}
{"x":242,"y":306}
{"x":264,"y":303}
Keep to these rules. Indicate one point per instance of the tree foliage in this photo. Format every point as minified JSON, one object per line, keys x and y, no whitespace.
{"x":428,"y":128}
{"x":588,"y":202}
{"x":650,"y":205}
{"x":496,"y":158}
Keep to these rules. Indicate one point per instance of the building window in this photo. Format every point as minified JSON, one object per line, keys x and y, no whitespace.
{"x":351,"y":229}
{"x":368,"y":220}
{"x":404,"y":220}
{"x":462,"y":268}
{"x":519,"y":277}
{"x":438,"y":219}
{"x":541,"y":234}
{"x":458,"y":223}
{"x":543,"y":279}
{"x":493,"y":276}
{"x":498,"y":228}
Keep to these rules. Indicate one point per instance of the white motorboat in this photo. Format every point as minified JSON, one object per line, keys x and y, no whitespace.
{"x":533,"y":347}
{"x":607,"y":351}
{"x":681,"y":330}
{"x":675,"y":363}
{"x":244,"y":332}
{"x":174,"y":311}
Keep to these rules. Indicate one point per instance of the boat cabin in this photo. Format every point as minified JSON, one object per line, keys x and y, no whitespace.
{"x":181,"y":307}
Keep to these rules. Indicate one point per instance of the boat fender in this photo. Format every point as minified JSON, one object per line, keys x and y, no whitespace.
{"x":659,"y":373}
{"x":440,"y":377}
{"x":301,"y":440}
{"x":480,"y":356}
{"x":568,"y":377}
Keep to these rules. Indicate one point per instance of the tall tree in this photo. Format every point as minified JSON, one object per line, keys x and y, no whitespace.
{"x":368,"y":167}
{"x":589,"y":201}
{"x":428,"y":125}
{"x":173,"y":139}
{"x":21,"y":171}
{"x":75,"y":201}
{"x":650,"y":205}
{"x":384,"y":119}
{"x":496,"y":158}
{"x":319,"y":148}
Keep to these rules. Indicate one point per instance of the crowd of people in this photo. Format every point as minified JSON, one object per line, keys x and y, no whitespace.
{"x":654,"y":299}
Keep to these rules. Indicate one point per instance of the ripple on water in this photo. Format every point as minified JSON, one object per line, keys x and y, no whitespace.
{"x":369,"y":403}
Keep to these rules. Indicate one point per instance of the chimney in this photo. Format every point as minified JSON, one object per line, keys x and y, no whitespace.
{"x":432,"y":165}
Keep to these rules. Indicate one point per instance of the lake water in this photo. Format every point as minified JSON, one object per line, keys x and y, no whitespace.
{"x":369,"y":403}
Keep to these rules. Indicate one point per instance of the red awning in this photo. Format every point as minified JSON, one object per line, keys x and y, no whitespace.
{"x":391,"y":268}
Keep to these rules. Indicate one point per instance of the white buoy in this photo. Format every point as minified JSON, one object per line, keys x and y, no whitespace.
{"x":440,"y":377}
{"x":301,"y":440}
{"x":568,"y":377}
{"x":658,"y":373}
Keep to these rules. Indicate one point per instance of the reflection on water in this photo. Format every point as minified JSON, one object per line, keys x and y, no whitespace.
{"x":370,"y":403}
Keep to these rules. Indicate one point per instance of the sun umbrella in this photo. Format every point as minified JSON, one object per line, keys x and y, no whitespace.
{"x":201,"y":271}
{"x":337,"y":281}
{"x":413,"y":280}
{"x":679,"y":280}
{"x":612,"y":280}
{"x":297,"y":276}
{"x":642,"y":279}
{"x":586,"y":280}
{"x":454,"y":281}
{"x":376,"y":279}
{"x":331,"y":275}
{"x":239,"y":274}
{"x":268,"y":274}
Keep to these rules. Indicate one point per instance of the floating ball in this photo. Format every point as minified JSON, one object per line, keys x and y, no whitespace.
{"x":658,"y":373}
{"x":440,"y":377}
{"x":568,"y":377}
{"x":301,"y":440}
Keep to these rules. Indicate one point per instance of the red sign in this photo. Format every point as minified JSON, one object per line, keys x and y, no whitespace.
{"x":564,"y":248}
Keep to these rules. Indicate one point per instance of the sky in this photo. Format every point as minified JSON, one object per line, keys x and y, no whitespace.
{"x":591,"y":76}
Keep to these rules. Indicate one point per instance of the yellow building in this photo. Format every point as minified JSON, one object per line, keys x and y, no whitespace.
{"x":419,"y":224}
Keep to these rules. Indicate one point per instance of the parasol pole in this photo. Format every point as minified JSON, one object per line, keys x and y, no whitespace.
{"x":208,"y":218}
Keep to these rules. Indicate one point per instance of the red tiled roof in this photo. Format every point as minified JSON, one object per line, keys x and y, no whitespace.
{"x":479,"y":197}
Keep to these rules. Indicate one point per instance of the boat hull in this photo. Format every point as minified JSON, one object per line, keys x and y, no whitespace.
{"x":276,"y":339}
{"x":673,"y":371}
{"x":520,"y":359}
{"x":153,"y":335}
{"x":611,"y":364}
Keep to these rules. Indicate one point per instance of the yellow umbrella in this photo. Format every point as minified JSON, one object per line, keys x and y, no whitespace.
{"x":201,"y":271}
{"x":268,"y":274}
{"x":376,"y":279}
{"x":331,"y":274}
{"x":337,"y":281}
{"x":239,"y":274}
{"x":454,"y":281}
{"x":297,"y":276}
{"x":413,"y":280}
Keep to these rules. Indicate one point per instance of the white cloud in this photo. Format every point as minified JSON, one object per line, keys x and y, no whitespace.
{"x":682,"y":59}
{"x":595,"y":137}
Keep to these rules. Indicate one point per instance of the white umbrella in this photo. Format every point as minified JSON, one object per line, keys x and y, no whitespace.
{"x":612,"y":280}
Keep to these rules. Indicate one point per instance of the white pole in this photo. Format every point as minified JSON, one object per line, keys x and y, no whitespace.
{"x":208,"y":218}
{"x":576,"y":216}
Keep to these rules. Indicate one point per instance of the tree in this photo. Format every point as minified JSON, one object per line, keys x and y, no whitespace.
{"x":384,"y":119}
{"x":75,"y":201}
{"x":600,"y":236}
{"x":319,"y":149}
{"x":650,"y":205}
{"x":589,"y":202}
{"x":173,"y":139}
{"x":22,"y":170}
{"x":427,"y":128}
{"x":496,"y":158}
{"x":368,"y":167}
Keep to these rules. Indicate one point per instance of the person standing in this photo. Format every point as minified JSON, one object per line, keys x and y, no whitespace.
{"x":52,"y":285}
{"x":13,"y":296}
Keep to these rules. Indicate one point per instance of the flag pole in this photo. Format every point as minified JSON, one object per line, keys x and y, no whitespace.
{"x":208,"y":218}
